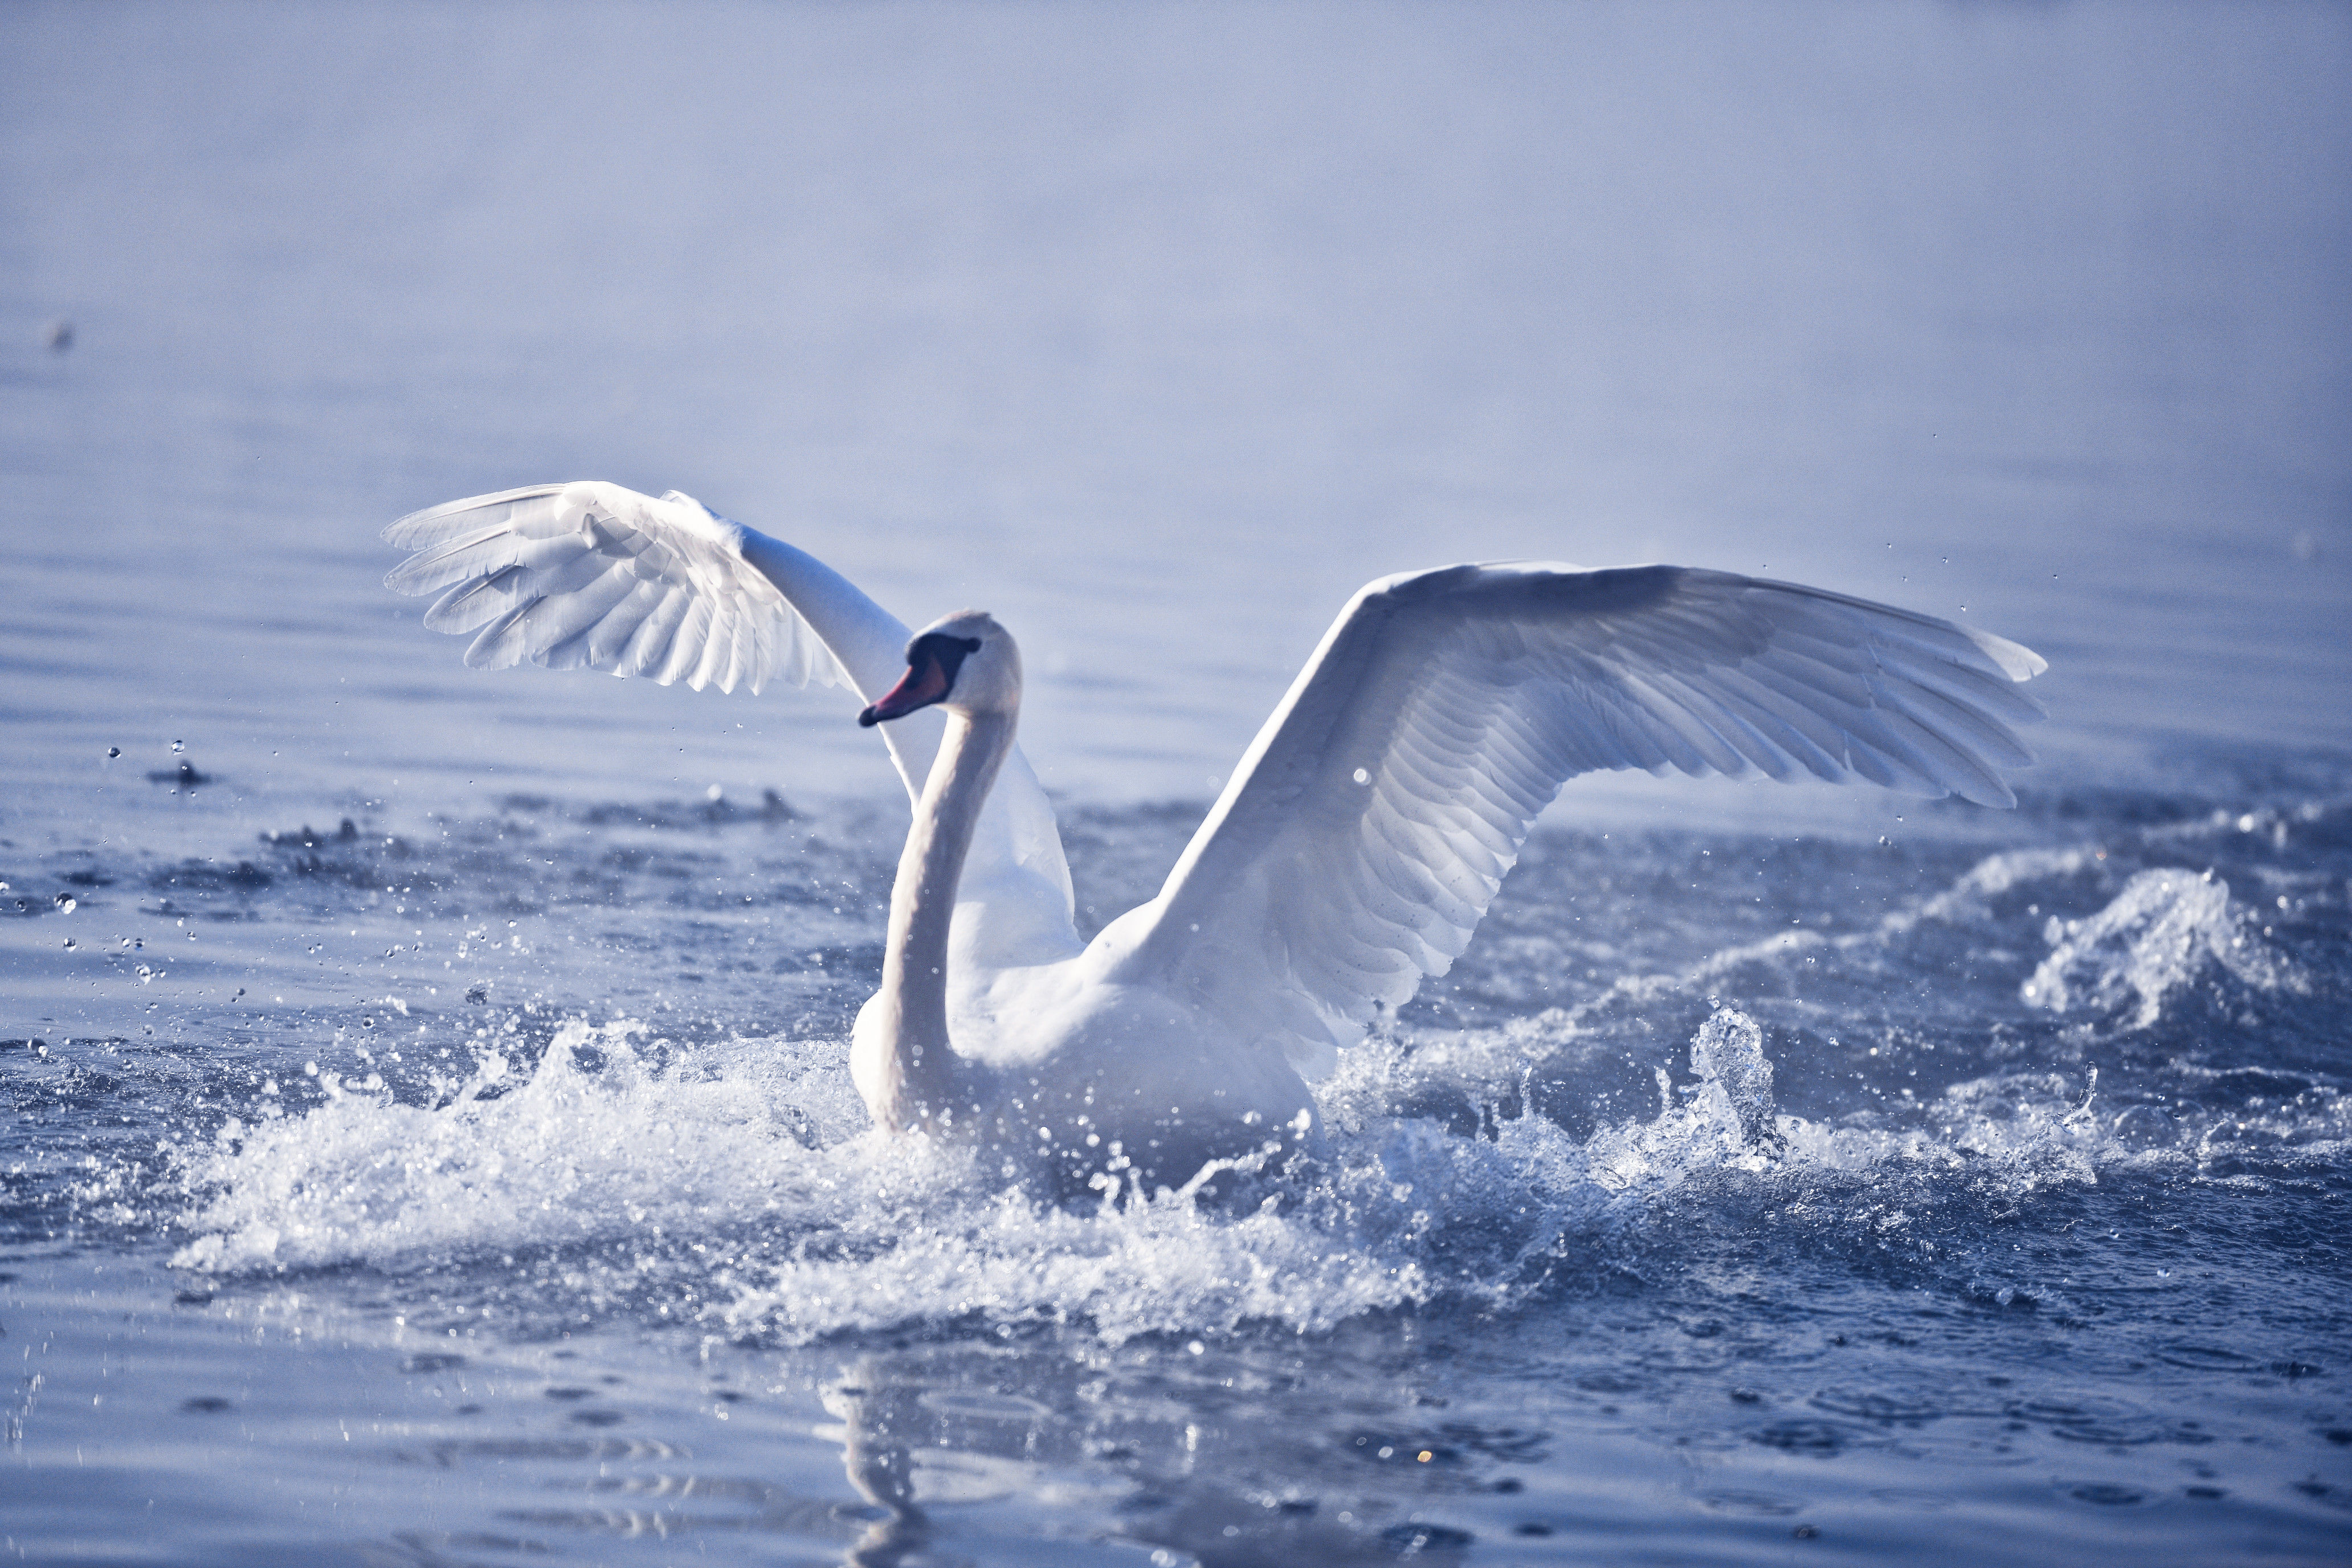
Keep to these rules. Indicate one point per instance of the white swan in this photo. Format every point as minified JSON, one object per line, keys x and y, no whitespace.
{"x":1352,"y":852}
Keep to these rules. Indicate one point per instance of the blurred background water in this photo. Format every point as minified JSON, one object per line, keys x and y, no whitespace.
{"x":347,"y":1218}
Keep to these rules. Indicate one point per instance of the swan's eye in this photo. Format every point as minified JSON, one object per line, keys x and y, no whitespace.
{"x":950,"y":651}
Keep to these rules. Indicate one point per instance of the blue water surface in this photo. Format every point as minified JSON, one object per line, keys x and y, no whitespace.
{"x":427,"y":1134}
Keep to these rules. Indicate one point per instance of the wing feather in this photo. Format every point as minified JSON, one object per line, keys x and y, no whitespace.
{"x":648,"y":650}
{"x":471,"y":605}
{"x":1375,"y":815}
{"x":551,"y":575}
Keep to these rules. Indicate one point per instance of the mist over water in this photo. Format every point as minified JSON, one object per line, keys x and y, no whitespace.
{"x":428,"y":1136}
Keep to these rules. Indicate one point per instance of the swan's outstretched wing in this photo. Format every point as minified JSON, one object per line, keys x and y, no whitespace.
{"x":1373,"y":817}
{"x":596,"y":576}
{"x":593,"y":576}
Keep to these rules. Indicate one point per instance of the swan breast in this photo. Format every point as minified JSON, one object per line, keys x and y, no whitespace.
{"x":1092,"y":1076}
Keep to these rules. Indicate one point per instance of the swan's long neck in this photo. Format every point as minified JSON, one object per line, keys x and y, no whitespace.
{"x":918,"y":1067}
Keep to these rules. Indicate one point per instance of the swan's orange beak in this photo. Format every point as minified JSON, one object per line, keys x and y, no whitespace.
{"x":926,"y":681}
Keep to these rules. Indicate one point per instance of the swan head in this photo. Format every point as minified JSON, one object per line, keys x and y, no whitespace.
{"x":965,"y":663}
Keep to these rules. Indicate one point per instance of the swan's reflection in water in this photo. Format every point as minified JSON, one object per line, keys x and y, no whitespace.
{"x":949,"y":1431}
{"x":882,"y":1468}
{"x":995,"y":1456}
{"x":967,"y":1455}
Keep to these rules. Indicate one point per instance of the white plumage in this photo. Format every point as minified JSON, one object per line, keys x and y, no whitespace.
{"x":593,"y":576}
{"x":1352,"y":852}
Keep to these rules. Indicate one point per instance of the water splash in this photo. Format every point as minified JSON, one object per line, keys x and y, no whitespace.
{"x":2155,"y":938}
{"x":598,"y":1141}
{"x":737,"y":1184}
{"x":1728,"y":1054}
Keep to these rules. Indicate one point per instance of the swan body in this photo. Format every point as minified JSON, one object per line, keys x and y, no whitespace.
{"x":1351,"y":854}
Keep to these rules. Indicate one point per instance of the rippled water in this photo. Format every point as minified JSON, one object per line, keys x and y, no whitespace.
{"x":1733,"y":1184}
{"x":428,"y":1133}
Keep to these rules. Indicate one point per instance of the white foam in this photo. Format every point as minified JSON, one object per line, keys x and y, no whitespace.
{"x":742,"y":1181}
{"x":568,"y":1154}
